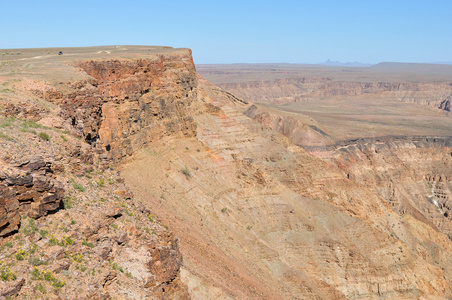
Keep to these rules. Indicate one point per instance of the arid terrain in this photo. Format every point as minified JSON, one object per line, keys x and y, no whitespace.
{"x":124,"y":174}
{"x":347,"y":102}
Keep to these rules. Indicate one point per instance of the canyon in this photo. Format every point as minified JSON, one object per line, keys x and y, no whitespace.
{"x":127,"y":175}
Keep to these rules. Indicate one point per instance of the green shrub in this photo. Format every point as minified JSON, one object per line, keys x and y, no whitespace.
{"x":87,"y":244}
{"x":5,"y":137}
{"x":53,"y":241}
{"x":186,"y":172}
{"x":67,"y":202}
{"x":78,"y":187}
{"x":66,"y":241}
{"x":33,"y":124}
{"x":40,"y":288}
{"x":44,"y":136}
{"x":20,"y":254}
{"x":29,"y":227}
{"x":43,"y":233}
{"x":151,"y":218}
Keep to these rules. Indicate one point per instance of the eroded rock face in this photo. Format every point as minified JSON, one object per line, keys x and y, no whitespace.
{"x":298,"y":132}
{"x":29,"y":190}
{"x":412,"y":173}
{"x":130,"y":103}
{"x":281,"y":91}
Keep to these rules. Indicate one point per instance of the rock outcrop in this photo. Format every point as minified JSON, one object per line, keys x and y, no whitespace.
{"x":127,"y":104}
{"x":27,"y":190}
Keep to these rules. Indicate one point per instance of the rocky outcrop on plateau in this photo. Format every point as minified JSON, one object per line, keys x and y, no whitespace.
{"x":127,"y":104}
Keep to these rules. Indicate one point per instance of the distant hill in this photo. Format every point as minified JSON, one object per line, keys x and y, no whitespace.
{"x":347,"y":64}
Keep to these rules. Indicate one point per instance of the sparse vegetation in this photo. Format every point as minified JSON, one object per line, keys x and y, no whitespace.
{"x":20,"y":254}
{"x":6,"y":137}
{"x":67,"y":202}
{"x":87,"y":244}
{"x":64,"y":242}
{"x":78,"y":187}
{"x":101,"y":182}
{"x":186,"y":172}
{"x":37,"y":274}
{"x":34,"y":261}
{"x":29,"y":226}
{"x":151,"y":218}
{"x":44,"y":136}
{"x":116,"y":267}
{"x":5,"y":273}
{"x":40,"y":288}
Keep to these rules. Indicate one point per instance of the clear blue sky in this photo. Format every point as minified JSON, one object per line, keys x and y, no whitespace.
{"x":242,"y":31}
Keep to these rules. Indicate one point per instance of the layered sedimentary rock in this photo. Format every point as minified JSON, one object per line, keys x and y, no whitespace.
{"x":280,"y":91}
{"x":27,"y":190}
{"x":300,"y":132}
{"x":263,"y":219}
{"x":129,"y":103}
{"x":411,"y":173}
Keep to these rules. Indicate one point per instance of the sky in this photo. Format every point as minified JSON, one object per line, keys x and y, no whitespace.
{"x":244,"y":31}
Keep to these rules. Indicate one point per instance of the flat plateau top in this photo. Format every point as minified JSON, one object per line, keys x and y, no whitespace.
{"x":47,"y":63}
{"x":80,"y":53}
{"x":382,"y":72}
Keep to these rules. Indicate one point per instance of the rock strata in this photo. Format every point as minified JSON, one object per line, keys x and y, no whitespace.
{"x":30,"y":191}
{"x":127,"y":104}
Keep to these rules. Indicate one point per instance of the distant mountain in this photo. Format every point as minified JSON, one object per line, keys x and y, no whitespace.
{"x":347,"y":64}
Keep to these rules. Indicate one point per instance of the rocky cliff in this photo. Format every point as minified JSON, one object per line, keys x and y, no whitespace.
{"x":411,"y":173}
{"x":280,"y":91}
{"x":131,"y":103}
{"x":69,"y":226}
{"x":137,"y":148}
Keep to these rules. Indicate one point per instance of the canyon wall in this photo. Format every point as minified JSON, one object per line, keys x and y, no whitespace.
{"x":148,"y":150}
{"x":280,"y":91}
{"x":130,"y":103}
{"x":412,"y":173}
{"x":300,"y":132}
